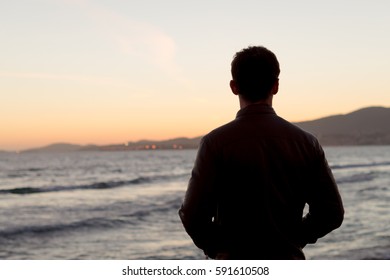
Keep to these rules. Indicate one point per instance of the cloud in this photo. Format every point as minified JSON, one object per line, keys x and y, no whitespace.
{"x":151,"y":45}
{"x":133,"y":37}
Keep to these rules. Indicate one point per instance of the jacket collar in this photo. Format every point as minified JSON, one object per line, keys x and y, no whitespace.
{"x":255,"y":109}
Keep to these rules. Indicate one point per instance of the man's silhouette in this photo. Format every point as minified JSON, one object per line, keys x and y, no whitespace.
{"x":253,"y":176}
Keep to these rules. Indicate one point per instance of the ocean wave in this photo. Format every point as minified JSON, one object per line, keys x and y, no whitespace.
{"x":357,"y":178}
{"x":92,"y":186}
{"x":20,"y":173}
{"x":374,"y":252}
{"x":159,"y":208}
{"x":92,"y":223}
{"x":117,"y":215}
{"x":359,"y":165}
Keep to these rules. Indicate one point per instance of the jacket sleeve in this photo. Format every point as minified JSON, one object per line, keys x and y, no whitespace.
{"x":199,"y":206}
{"x":326,"y":211}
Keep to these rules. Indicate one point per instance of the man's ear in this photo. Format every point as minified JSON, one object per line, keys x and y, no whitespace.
{"x":275,"y":88}
{"x":233,"y":87}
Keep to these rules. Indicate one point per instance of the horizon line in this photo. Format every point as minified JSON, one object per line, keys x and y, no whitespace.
{"x":166,"y":139}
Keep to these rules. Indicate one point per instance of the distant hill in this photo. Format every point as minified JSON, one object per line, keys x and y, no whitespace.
{"x":57,"y":147}
{"x":367,"y":126}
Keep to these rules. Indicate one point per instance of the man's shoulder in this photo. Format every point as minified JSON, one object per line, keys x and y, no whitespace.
{"x":222,"y":130}
{"x":275,"y":127}
{"x":296,"y":128}
{"x":277,"y":123}
{"x":297,"y":132}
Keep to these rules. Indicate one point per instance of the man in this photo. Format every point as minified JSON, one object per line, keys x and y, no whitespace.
{"x":253,"y":176}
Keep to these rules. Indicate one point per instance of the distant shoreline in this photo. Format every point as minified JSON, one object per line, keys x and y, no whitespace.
{"x":364,"y":127}
{"x":124,"y":149}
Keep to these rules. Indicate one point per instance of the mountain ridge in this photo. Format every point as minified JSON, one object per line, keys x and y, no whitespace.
{"x":366,"y":126}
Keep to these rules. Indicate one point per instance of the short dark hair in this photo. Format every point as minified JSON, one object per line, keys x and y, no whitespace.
{"x":255,"y":71}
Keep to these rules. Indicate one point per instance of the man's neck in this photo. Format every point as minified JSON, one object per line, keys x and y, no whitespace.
{"x":244,"y":103}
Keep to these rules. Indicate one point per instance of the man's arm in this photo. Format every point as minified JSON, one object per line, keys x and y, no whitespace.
{"x":326,"y":211}
{"x":198,"y":208}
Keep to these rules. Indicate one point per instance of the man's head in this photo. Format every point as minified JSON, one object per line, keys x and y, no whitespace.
{"x":255,"y":72}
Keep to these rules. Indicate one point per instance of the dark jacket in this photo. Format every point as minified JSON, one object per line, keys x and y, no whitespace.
{"x":250,"y":183}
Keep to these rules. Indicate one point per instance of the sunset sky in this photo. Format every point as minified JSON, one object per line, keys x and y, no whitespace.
{"x":111,"y":71}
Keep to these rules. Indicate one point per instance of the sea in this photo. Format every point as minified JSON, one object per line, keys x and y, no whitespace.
{"x":120,"y":205}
